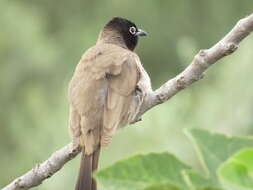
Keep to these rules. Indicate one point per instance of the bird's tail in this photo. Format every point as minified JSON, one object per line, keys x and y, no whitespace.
{"x":89,"y":163}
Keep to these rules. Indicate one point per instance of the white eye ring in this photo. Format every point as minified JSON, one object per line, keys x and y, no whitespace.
{"x":132,"y":30}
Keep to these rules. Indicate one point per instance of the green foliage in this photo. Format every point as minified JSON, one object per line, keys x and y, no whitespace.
{"x":156,"y":171}
{"x":213,"y":149}
{"x":237,"y":172}
{"x":141,"y":172}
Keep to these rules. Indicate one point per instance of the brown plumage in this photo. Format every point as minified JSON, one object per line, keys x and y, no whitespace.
{"x":102,"y":93}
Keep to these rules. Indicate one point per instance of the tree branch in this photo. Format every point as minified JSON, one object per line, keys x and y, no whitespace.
{"x":44,"y":170}
{"x":193,"y":73}
{"x":200,"y":63}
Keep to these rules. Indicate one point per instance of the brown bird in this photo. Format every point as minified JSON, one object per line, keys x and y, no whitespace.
{"x":105,"y":93}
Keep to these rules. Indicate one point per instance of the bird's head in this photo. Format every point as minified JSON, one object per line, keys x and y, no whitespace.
{"x":121,"y":31}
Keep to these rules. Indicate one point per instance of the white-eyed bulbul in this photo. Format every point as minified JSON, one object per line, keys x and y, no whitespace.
{"x":103,"y":93}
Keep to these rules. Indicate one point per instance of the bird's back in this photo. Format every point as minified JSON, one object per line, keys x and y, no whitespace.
{"x":100,"y":92}
{"x":89,"y":83}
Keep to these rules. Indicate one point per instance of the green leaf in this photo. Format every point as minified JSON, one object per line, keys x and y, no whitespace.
{"x":149,"y":172}
{"x":162,"y":187}
{"x":237,"y":172}
{"x":163,"y":171}
{"x":195,"y":181}
{"x":154,"y":171}
{"x":213,"y":149}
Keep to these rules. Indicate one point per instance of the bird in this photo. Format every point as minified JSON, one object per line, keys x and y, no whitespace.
{"x":105,"y":93}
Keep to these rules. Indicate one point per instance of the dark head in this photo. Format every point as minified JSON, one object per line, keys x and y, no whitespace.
{"x":127,"y":30}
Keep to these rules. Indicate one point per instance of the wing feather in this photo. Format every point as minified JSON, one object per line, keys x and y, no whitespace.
{"x":120,"y":95}
{"x":102,"y":90}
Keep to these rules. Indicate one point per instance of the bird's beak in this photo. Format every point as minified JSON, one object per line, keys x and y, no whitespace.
{"x":141,"y":32}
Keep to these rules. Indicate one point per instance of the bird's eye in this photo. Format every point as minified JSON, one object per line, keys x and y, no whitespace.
{"x":132,"y":30}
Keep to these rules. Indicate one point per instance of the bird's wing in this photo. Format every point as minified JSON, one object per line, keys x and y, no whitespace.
{"x":122,"y":79}
{"x":103,"y":87}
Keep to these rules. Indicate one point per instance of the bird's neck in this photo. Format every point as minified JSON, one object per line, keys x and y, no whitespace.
{"x":111,"y":37}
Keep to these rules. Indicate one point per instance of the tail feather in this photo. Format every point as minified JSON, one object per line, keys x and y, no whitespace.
{"x":89,"y":163}
{"x":95,"y":159}
{"x":84,"y":181}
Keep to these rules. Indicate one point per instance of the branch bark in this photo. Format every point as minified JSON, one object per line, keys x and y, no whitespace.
{"x":44,"y":170}
{"x":194,"y":72}
{"x":201,"y":62}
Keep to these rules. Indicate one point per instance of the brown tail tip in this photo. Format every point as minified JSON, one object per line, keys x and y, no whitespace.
{"x":89,"y":163}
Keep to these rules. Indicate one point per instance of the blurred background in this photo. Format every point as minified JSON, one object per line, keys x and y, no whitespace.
{"x":42,"y":41}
